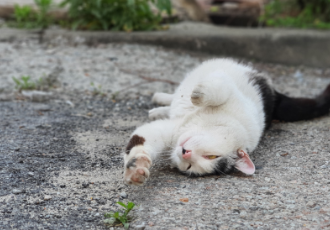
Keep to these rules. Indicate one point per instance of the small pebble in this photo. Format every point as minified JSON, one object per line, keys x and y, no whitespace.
{"x":85,"y":185}
{"x":140,"y":226}
{"x":123,"y":195}
{"x":47,"y":197}
{"x":17,"y":191}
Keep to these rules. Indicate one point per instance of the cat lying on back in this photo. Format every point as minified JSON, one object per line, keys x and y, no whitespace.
{"x":213,"y":121}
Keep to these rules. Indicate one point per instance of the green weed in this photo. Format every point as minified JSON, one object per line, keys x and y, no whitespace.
{"x":97,"y":90}
{"x":117,"y":15}
{"x":25,"y":83}
{"x":307,"y":14}
{"x":119,"y":217}
{"x":28,"y":18}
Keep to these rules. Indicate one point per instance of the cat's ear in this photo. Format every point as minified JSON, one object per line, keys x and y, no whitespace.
{"x":243,"y":163}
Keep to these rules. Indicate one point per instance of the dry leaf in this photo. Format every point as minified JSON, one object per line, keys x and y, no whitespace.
{"x":184,"y":199}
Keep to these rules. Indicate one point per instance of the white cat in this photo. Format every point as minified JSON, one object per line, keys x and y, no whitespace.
{"x":213,"y":120}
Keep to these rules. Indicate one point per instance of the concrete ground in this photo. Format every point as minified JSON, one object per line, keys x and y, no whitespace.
{"x":60,"y":161}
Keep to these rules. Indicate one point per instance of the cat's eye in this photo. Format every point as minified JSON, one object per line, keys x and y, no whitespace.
{"x":189,"y":167}
{"x":211,"y":157}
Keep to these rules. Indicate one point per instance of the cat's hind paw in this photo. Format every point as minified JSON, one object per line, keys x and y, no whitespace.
{"x":159,"y":113}
{"x":137,"y":169}
{"x":197,"y":96}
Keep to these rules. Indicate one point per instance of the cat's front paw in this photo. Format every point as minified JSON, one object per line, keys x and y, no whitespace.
{"x":137,"y":169}
{"x":197,"y":96}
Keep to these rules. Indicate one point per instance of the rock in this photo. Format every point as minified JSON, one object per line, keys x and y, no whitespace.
{"x":243,"y":213}
{"x":62,"y":185}
{"x":311,"y":204}
{"x":6,"y":97}
{"x":85,"y":185}
{"x":42,"y":107}
{"x":141,"y":226}
{"x":236,"y":211}
{"x":267,"y":179}
{"x":47,"y":197}
{"x":299,"y":75}
{"x":97,"y":214}
{"x":37,"y":96}
{"x":123,"y":195}
{"x":30,"y":173}
{"x":69,"y":103}
{"x":17,"y":191}
{"x":101,"y":201}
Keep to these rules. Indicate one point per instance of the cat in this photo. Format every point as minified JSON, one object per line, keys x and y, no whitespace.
{"x":214,"y":119}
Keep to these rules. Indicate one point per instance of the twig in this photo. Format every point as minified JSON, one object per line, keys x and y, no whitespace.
{"x":150,"y":79}
{"x":160,"y":80}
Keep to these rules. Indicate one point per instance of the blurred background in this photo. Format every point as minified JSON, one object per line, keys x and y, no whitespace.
{"x":130,"y":15}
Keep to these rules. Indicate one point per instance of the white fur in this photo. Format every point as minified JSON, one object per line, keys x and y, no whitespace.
{"x":216,"y":106}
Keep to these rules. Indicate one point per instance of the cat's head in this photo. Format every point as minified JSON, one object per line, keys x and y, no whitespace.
{"x":210,"y":152}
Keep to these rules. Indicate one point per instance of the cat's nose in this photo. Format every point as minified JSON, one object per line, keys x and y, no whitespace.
{"x":186,"y":154}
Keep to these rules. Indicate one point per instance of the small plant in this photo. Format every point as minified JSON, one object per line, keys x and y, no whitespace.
{"x":27,"y":17}
{"x":43,"y":17}
{"x":113,"y":217}
{"x":127,"y":15}
{"x":97,"y":90}
{"x":23,"y":16}
{"x":24,"y":83}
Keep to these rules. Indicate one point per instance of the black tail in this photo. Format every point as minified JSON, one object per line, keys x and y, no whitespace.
{"x":297,"y":109}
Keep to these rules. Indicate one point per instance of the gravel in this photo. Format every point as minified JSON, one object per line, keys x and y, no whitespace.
{"x":73,"y":149}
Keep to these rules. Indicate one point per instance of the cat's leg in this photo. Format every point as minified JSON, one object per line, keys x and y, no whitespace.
{"x":212,"y":90}
{"x":159,"y":113}
{"x":146,"y":144}
{"x":162,"y":98}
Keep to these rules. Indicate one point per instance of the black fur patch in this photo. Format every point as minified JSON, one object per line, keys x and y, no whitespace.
{"x":278,"y":106}
{"x":267,"y":94}
{"x":297,"y":109}
{"x":134,"y":141}
{"x":224,"y":167}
